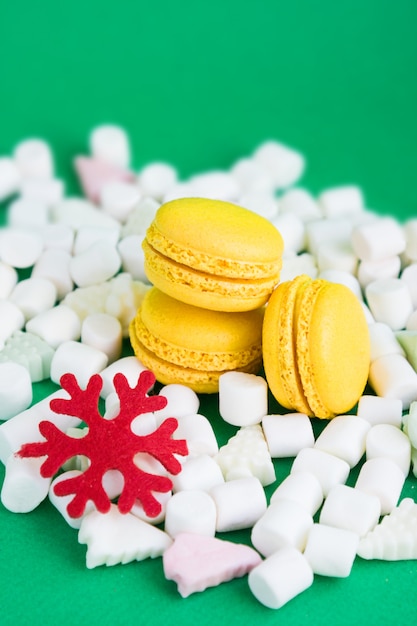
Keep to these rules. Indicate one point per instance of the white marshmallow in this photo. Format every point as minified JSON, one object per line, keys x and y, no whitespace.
{"x":88,"y":235}
{"x":385,"y":440}
{"x":198,"y":472}
{"x":409,"y":277}
{"x":343,"y":277}
{"x":23,"y":488}
{"x":299,"y":202}
{"x":251,"y":177}
{"x":129,"y":366}
{"x":284,"y":165}
{"x":280,"y":578}
{"x":56,"y":326}
{"x":10,"y":177}
{"x":27,"y":213}
{"x":20,"y":248}
{"x":327,"y":231}
{"x":181,"y":401}
{"x":296,"y":264}
{"x":47,"y":191}
{"x":286,"y":435}
{"x":264,"y":204}
{"x":156,"y":179}
{"x":54,"y":264}
{"x":390,"y":302}
{"x":344,"y":437}
{"x":369,"y":271}
{"x":199,"y":434}
{"x":58,"y":236}
{"x":119,"y":198}
{"x":301,"y":487}
{"x":140,"y":218}
{"x":163,"y":497}
{"x":351,"y":509}
{"x":338,"y":201}
{"x":78,"y":212}
{"x":179,"y":190}
{"x":61,"y":502}
{"x":383,"y":341}
{"x":34,"y":159}
{"x":292,"y":230}
{"x":104,"y":332}
{"x":328,"y":469}
{"x":285,"y":523}
{"x":243,"y":398}
{"x":110,"y":143}
{"x":382,"y":477}
{"x":79,"y":359}
{"x":378,"y":239}
{"x":410,"y":232}
{"x":34,"y":295}
{"x":240,"y":503}
{"x":215,"y":184}
{"x":15,"y":389}
{"x":331,"y":551}
{"x":378,"y":410}
{"x":95,"y":265}
{"x":8,"y":280}
{"x":391,"y":376}
{"x":190,"y":511}
{"x":132,"y":256}
{"x":12,"y":319}
{"x":24,"y":427}
{"x":337,"y":257}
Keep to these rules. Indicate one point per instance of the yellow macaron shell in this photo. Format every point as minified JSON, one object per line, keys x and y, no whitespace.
{"x":316,"y":347}
{"x":189,"y":345}
{"x":213,"y":254}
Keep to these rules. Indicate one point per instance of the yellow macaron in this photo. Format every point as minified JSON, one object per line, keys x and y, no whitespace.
{"x":189,"y":345}
{"x":316,"y":347}
{"x":213,"y":254}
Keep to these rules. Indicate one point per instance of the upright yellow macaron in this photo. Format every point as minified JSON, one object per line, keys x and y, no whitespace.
{"x":316,"y":347}
{"x":213,"y":254}
{"x":189,"y":345}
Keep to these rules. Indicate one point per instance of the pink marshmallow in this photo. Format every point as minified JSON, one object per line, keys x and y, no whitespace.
{"x":196,"y":562}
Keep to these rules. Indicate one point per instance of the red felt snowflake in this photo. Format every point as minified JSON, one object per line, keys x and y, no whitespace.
{"x":109,"y":444}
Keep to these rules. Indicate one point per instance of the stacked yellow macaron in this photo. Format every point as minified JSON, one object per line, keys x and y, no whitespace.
{"x":213,"y":266}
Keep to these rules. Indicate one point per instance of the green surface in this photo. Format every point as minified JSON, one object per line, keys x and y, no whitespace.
{"x":200,"y":85}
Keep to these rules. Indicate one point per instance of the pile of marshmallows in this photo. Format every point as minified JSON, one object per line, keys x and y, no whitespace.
{"x":85,"y":280}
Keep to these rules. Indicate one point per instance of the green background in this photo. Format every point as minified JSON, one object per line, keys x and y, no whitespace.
{"x":201,"y":85}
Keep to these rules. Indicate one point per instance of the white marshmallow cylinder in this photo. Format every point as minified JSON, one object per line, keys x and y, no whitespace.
{"x":104,"y":332}
{"x":8,"y":280}
{"x":191,"y":511}
{"x":56,"y":326}
{"x":110,"y":143}
{"x":181,"y":401}
{"x":300,"y":202}
{"x":132,"y":256}
{"x":34,"y":159}
{"x":12,"y":319}
{"x":286,"y":435}
{"x":23,"y":488}
{"x":383,"y":341}
{"x":378,"y":239}
{"x":15,"y":389}
{"x":95,"y":265}
{"x":87,"y":236}
{"x":302,"y":488}
{"x":392,"y":376}
{"x":378,"y":410}
{"x":54,"y":264}
{"x":337,"y":257}
{"x":285,"y":523}
{"x":351,"y":509}
{"x":163,"y":498}
{"x":331,"y":551}
{"x":240,"y":503}
{"x":243,"y":398}
{"x":47,"y":191}
{"x":199,"y":434}
{"x":20,"y":248}
{"x":33,"y":296}
{"x":10,"y":177}
{"x":280,"y":578}
{"x":27,"y":213}
{"x":328,"y":469}
{"x":79,"y":359}
{"x":284,"y":165}
{"x":199,"y":472}
{"x":119,"y":198}
{"x":343,"y":277}
{"x":156,"y":179}
{"x":385,"y":440}
{"x":129,"y":366}
{"x":409,"y":277}
{"x":390,"y":302}
{"x":370,"y":271}
{"x":384,"y":478}
{"x":292,"y":230}
{"x":340,"y":201}
{"x":344,"y":437}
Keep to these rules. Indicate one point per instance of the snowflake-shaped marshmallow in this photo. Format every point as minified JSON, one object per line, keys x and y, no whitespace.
{"x":109,"y":444}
